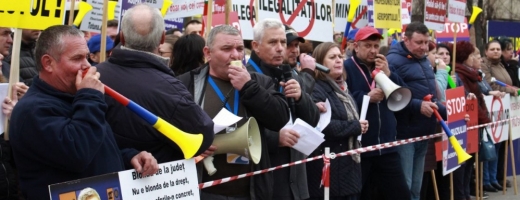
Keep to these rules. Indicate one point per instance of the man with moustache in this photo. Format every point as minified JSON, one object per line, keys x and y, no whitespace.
{"x":218,"y":85}
{"x":382,"y":168}
{"x":269,"y":43}
{"x":307,"y":63}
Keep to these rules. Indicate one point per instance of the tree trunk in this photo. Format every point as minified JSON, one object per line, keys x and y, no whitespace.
{"x":418,"y":11}
{"x":480,"y":29}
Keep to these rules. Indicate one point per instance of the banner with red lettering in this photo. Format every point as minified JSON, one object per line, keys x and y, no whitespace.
{"x":435,"y":14}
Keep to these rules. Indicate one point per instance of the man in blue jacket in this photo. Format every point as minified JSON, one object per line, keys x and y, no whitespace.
{"x":58,"y":130}
{"x":408,"y":60}
{"x":382,"y":167}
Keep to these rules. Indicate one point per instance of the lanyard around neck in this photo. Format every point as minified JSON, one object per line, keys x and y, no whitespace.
{"x":224,"y":99}
{"x":371,"y":86}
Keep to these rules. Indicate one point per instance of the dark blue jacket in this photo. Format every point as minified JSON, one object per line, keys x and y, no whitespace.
{"x":148,"y":81}
{"x":58,"y":137}
{"x":418,"y":76}
{"x":381,"y":120}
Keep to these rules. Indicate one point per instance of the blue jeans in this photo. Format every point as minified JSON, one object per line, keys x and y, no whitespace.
{"x":412,"y":160}
{"x":490,"y":169}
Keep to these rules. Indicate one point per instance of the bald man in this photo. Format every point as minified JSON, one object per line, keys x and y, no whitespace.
{"x":137,"y":71}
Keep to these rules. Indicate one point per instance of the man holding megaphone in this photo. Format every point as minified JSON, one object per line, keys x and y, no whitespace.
{"x":384,"y":166}
{"x":225,"y":83}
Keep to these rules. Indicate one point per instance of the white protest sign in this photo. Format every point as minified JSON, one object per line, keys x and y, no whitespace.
{"x":498,"y":109}
{"x":312,"y":19}
{"x":457,"y":10}
{"x":515,"y":116}
{"x":341,"y":13}
{"x":93,"y":19}
{"x":67,"y":4}
{"x":246,"y":17}
{"x":174,"y":180}
{"x":185,"y":8}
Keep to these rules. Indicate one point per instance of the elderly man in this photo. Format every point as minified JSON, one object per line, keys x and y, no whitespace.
{"x":58,"y":130}
{"x":269,"y":45}
{"x":381,"y":169}
{"x":247,"y":95}
{"x":408,"y":60}
{"x":137,"y":71}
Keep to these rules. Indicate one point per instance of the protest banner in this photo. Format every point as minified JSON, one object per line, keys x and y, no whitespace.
{"x":185,"y":8}
{"x":472,"y":141}
{"x":174,"y":180}
{"x":406,"y":17}
{"x":171,"y":23}
{"x":446,"y":35}
{"x":93,"y":19}
{"x":498,"y":109}
{"x":24,"y":13}
{"x":219,"y":6}
{"x":456,"y":11}
{"x":387,"y":14}
{"x":219,"y":19}
{"x":341,"y":13}
{"x":246,"y":14}
{"x":435,"y":14}
{"x":312,"y":19}
{"x":515,"y":116}
{"x":68,"y":2}
{"x":456,"y":110}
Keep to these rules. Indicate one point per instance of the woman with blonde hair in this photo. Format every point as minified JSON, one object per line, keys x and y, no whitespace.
{"x":342,"y":131}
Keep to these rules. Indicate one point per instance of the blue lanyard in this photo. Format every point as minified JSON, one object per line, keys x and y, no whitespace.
{"x":221,"y":96}
{"x":257,"y":69}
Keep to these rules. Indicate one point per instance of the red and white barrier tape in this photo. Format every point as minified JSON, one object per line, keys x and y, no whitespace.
{"x":491,"y":123}
{"x":346,"y":153}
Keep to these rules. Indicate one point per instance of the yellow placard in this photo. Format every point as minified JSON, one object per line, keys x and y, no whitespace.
{"x":40,"y":15}
{"x":387,"y":14}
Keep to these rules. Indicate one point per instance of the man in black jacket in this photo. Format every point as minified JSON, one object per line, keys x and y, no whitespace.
{"x":380,"y":169}
{"x":291,"y":183}
{"x":246,"y":95}
{"x":138,"y":72}
{"x":27,"y":62}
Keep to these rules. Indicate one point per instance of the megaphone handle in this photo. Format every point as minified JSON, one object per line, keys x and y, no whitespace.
{"x":208,"y":164}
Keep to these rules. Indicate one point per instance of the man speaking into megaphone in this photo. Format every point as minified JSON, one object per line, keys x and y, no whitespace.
{"x":383,"y":165}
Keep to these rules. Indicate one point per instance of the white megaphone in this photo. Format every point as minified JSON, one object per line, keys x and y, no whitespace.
{"x":244,"y":141}
{"x":397,"y":97}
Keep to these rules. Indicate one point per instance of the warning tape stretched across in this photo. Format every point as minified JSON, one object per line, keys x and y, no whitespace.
{"x":346,"y":153}
{"x":490,"y":123}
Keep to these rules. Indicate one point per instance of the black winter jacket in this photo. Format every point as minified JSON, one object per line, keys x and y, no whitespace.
{"x":263,"y":103}
{"x":290,"y":181}
{"x":146,"y":80}
{"x":27,"y":63}
{"x":345,"y":173}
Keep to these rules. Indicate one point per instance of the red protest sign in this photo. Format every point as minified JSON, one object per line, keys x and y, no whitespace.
{"x":435,"y":14}
{"x":449,"y":28}
{"x":472,"y":111}
{"x":220,"y":19}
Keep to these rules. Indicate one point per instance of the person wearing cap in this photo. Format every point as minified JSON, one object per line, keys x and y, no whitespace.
{"x":269,"y":46}
{"x":408,"y":60}
{"x":306,"y":62}
{"x":380,"y":169}
{"x":94,"y":47}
